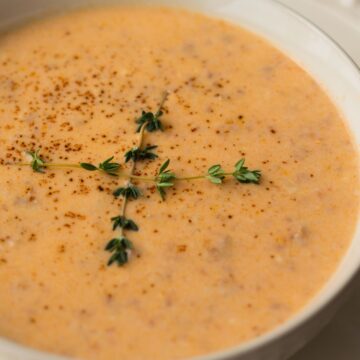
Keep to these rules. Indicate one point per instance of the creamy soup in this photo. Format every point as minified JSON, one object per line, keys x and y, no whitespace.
{"x":212,"y":265}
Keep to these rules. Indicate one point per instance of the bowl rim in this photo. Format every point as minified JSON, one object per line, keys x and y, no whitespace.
{"x":301,"y":317}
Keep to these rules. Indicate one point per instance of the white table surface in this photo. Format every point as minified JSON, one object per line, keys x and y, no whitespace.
{"x":340,"y":340}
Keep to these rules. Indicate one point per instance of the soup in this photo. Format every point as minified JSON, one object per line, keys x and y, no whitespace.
{"x":218,"y":261}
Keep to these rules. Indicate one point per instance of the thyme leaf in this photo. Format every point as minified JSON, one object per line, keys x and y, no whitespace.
{"x":152,"y":121}
{"x":216,"y":174}
{"x":37,"y":163}
{"x":164,"y":179}
{"x":124,"y":223}
{"x":128,"y":192}
{"x":109,"y":167}
{"x":88,"y":167}
{"x":120,"y":249}
{"x":244,"y":175}
{"x":137,"y":154}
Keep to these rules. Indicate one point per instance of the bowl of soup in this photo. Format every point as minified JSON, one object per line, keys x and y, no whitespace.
{"x":178,"y":180}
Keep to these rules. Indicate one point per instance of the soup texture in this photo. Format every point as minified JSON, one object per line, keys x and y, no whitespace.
{"x":212,"y":265}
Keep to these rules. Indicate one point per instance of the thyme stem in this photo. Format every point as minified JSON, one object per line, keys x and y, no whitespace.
{"x":52,"y":165}
{"x":162,"y":102}
{"x":131,"y":176}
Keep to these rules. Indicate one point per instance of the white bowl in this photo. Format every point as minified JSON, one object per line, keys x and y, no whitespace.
{"x":333,"y":69}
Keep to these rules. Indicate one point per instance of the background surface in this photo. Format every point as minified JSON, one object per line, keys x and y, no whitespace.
{"x":340,"y":340}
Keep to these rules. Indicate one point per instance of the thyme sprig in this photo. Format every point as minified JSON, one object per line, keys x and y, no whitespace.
{"x":121,"y":247}
{"x":215,"y":174}
{"x":38,"y":164}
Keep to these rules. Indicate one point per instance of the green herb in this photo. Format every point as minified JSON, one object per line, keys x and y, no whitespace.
{"x":89,"y":167}
{"x":121,"y":248}
{"x":244,"y":175}
{"x":164,"y":179}
{"x":37,"y":163}
{"x":124,"y":223}
{"x":107,"y":166}
{"x":216,"y":174}
{"x":128,"y":192}
{"x":151,"y":121}
{"x":137,"y":154}
{"x":111,"y":168}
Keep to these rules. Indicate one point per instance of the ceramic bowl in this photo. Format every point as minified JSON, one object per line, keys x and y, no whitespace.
{"x":337,"y":74}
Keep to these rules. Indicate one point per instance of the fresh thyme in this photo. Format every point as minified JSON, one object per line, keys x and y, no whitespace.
{"x":89,"y":167}
{"x":137,"y":154}
{"x":37,"y":163}
{"x":107,"y":166}
{"x":164,"y":179}
{"x":244,"y":175}
{"x":121,"y":247}
{"x":216,"y":174}
{"x":129,"y":191}
{"x":152,"y":121}
{"x":124,"y":223}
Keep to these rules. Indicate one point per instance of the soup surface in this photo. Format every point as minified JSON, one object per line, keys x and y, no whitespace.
{"x":213,"y":265}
